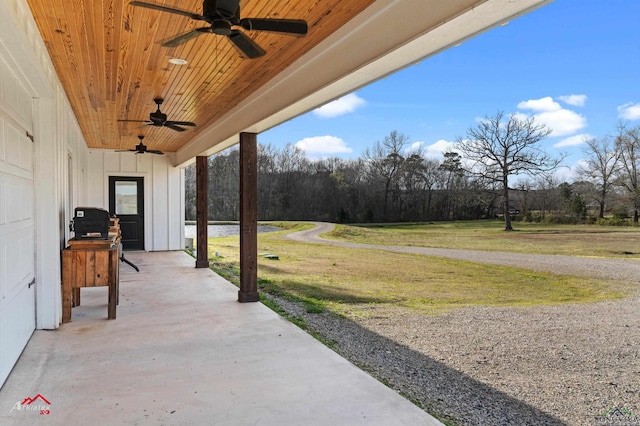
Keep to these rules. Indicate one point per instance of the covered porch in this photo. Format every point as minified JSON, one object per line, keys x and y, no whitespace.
{"x":181,"y":352}
{"x":72,"y":79}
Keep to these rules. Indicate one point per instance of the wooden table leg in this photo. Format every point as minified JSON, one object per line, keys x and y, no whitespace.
{"x":76,"y":297}
{"x":113,"y":283}
{"x":66,"y":286}
{"x":111,"y":314}
{"x":118,"y":274}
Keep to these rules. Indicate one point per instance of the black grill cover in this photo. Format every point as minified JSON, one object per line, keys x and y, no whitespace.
{"x":89,"y":221}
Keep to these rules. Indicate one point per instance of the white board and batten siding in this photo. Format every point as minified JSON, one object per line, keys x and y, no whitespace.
{"x":17,"y":220}
{"x":163,"y":200}
{"x":33,"y":181}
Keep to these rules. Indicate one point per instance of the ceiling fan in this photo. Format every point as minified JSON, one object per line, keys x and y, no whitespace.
{"x":159,"y":119}
{"x":142,"y":148}
{"x":221,"y":15}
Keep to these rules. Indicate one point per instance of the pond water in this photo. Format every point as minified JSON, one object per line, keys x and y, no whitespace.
{"x":224,"y":230}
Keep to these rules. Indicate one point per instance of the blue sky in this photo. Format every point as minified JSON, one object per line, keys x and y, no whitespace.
{"x":572,"y":64}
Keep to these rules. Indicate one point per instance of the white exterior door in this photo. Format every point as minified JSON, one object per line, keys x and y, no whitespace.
{"x":17,"y":224}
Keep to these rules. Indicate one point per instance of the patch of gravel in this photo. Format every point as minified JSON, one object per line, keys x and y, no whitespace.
{"x":498,"y":366}
{"x":546,"y":365}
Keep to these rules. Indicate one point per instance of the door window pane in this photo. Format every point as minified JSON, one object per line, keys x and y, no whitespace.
{"x":126,"y":197}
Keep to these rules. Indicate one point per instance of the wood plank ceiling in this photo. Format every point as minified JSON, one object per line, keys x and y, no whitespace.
{"x":109,"y":58}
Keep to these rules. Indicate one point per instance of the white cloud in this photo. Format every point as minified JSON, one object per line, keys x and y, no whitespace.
{"x":520,"y":116}
{"x":434,"y":151}
{"x":629,"y":111}
{"x":569,"y":173}
{"x":575,"y":100}
{"x":414,"y":147}
{"x":437,"y":149}
{"x":563,"y":122}
{"x":344,"y":105}
{"x":564,"y":174}
{"x":540,"y":105}
{"x":573,"y":140}
{"x":581,"y":164}
{"x":323,"y":146}
{"x":560,"y":120}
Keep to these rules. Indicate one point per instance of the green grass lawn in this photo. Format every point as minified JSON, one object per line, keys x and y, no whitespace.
{"x":356,"y":282}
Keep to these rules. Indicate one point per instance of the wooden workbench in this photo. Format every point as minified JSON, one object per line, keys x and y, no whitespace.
{"x":90,"y":263}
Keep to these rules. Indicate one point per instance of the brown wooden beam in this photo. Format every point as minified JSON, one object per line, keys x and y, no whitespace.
{"x":202,"y":211}
{"x":248,"y":218}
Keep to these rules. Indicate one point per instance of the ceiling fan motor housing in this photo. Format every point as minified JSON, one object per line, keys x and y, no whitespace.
{"x":221,"y":27}
{"x":158,"y":117}
{"x":226,"y":9}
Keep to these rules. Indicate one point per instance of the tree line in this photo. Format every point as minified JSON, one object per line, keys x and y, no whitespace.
{"x":391,"y":183}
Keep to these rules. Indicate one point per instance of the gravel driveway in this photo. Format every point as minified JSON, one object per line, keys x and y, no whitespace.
{"x":545,"y":365}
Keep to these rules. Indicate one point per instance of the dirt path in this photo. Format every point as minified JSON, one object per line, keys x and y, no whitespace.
{"x":624,"y":270}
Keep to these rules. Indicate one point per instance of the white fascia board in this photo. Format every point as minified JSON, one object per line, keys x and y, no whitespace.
{"x":368,"y":48}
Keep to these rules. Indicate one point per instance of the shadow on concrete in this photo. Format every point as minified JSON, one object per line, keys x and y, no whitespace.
{"x":439,"y":389}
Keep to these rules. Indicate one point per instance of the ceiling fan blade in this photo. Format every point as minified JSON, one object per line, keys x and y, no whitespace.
{"x":168,"y":9}
{"x":247,"y":46}
{"x":183,"y":38}
{"x":291,"y":26}
{"x":173,"y":127}
{"x":182,"y":123}
{"x":155,"y":151}
{"x":135,"y":121}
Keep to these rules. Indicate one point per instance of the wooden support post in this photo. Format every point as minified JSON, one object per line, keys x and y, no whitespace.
{"x":202,"y":212}
{"x":248,"y":219}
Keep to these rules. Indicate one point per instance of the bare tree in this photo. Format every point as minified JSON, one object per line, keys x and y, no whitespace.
{"x":601,"y":166}
{"x":190,"y":192}
{"x":290,"y":163}
{"x":500,"y":147}
{"x":628,"y":144}
{"x":268,"y":185}
{"x":524,"y":187}
{"x":547,"y":194}
{"x":430,"y":177}
{"x":453,"y":176}
{"x":385,"y":161}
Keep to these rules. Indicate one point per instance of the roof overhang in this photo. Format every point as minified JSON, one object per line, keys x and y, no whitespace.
{"x":386,"y":37}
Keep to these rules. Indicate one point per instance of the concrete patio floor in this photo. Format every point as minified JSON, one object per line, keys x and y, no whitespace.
{"x":182,"y":351}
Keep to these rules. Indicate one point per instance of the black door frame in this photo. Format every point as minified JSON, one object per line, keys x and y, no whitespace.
{"x":126,"y":220}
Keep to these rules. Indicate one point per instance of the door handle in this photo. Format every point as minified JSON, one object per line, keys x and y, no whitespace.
{"x":33,"y":281}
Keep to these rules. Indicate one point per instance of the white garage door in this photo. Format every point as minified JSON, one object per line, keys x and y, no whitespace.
{"x":17,"y":226}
